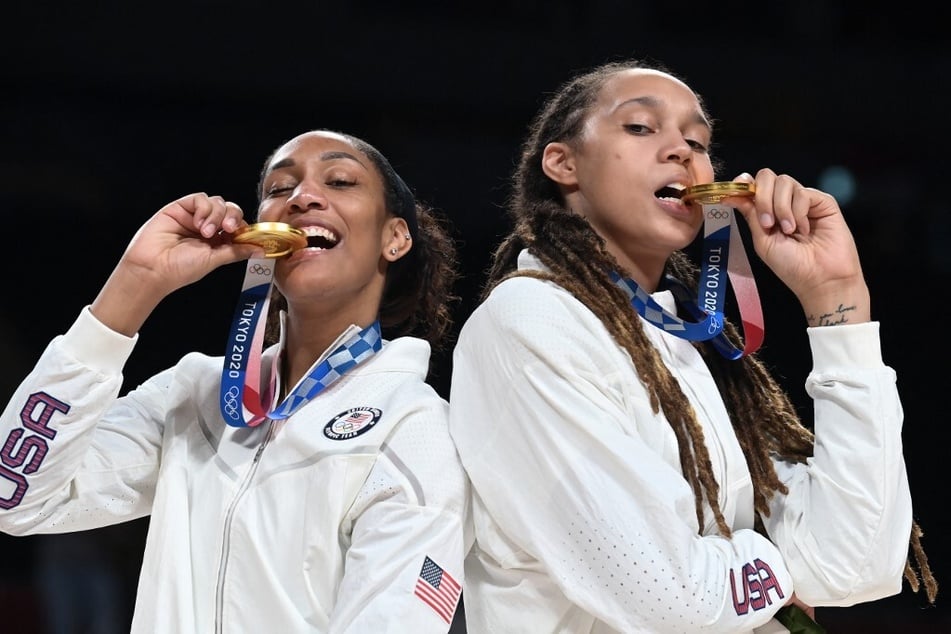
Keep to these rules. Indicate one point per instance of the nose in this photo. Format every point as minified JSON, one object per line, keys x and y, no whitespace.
{"x":678,"y":150}
{"x":307,"y":195}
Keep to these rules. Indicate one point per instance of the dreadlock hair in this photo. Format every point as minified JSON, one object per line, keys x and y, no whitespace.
{"x":578,"y":261}
{"x":418,"y":292}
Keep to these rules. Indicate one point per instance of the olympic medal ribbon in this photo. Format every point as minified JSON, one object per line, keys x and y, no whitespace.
{"x":721,"y":236}
{"x":243,"y":403}
{"x":354,"y":350}
{"x":710,"y":325}
{"x":709,"y":195}
{"x":746,"y":293}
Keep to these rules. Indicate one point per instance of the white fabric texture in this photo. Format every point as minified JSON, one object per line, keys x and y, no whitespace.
{"x":273,"y":528}
{"x":583,"y":519}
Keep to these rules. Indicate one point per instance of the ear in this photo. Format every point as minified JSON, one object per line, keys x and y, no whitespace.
{"x":397,"y":240}
{"x":558,"y":163}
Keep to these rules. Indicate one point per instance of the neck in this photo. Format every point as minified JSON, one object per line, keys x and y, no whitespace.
{"x":645,"y":272}
{"x":642,"y":261}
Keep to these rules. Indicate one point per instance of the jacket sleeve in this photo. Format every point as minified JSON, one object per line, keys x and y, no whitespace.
{"x":404,"y":564}
{"x":544,"y":432}
{"x":73,"y":456}
{"x":844,"y":527}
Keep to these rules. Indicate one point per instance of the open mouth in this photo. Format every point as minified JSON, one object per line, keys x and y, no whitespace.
{"x":320,"y":238}
{"x":673,"y":191}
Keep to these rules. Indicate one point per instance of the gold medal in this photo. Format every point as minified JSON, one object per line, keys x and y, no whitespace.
{"x":276,"y":238}
{"x":715,"y":192}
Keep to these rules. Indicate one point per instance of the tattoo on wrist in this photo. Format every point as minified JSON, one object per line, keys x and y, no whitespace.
{"x":839,"y":316}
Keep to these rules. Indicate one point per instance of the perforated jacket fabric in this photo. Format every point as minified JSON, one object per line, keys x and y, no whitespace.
{"x":583,"y":519}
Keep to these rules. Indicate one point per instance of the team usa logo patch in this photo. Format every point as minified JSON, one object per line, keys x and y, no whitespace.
{"x":352,"y":423}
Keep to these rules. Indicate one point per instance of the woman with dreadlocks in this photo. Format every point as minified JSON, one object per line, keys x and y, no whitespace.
{"x":628,"y":479}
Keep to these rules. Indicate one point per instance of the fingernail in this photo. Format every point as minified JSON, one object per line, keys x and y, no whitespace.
{"x":766,"y":220}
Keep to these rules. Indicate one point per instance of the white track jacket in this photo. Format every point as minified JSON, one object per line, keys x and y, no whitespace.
{"x":283,"y":527}
{"x":583,"y":520}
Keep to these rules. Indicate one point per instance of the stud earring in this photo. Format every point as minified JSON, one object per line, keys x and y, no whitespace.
{"x":393,"y":251}
{"x":409,"y":237}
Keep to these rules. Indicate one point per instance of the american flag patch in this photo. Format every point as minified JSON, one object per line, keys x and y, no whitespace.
{"x":438,"y":589}
{"x":358,"y":418}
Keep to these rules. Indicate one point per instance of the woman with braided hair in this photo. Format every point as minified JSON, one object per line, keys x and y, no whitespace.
{"x":626,"y":478}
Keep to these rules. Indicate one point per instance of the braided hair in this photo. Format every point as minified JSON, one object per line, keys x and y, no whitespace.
{"x":577,"y":260}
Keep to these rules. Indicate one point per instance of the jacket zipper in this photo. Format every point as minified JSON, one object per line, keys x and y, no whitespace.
{"x":226,"y":529}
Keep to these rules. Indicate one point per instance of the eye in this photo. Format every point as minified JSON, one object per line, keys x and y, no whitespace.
{"x":697,"y":146}
{"x":637,"y":128}
{"x":277,"y":190}
{"x":340,"y":176}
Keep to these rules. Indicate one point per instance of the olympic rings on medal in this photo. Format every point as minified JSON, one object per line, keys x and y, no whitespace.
{"x":276,"y":238}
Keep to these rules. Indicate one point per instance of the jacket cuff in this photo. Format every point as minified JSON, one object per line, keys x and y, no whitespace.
{"x":90,"y":342}
{"x":846,"y":345}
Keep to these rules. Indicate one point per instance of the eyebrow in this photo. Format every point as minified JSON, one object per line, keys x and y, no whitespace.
{"x":653,"y":102}
{"x":326,"y":156}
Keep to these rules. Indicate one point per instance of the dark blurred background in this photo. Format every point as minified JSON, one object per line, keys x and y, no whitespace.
{"x":109,"y":110}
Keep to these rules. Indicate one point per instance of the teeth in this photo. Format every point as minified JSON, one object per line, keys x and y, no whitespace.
{"x":313,"y":232}
{"x":671,"y":192}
